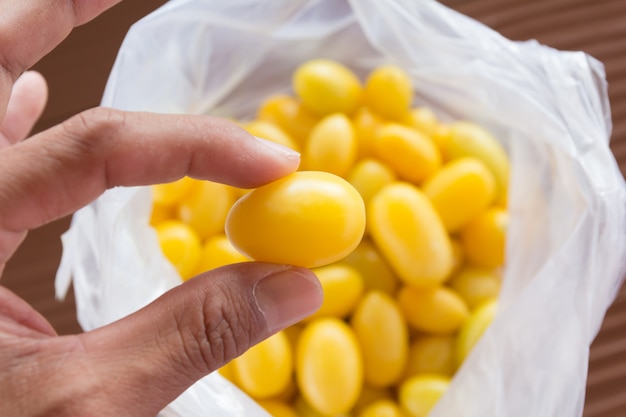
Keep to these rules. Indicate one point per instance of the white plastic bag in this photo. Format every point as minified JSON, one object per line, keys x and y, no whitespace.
{"x":565,"y":251}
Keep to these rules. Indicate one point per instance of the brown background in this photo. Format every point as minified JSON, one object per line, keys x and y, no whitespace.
{"x":77,"y":72}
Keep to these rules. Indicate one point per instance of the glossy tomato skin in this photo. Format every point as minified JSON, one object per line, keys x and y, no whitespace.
{"x":326,"y":87}
{"x":265,"y":369}
{"x":308,"y":218}
{"x":409,"y":233}
{"x":389,"y":92}
{"x":329,"y":366}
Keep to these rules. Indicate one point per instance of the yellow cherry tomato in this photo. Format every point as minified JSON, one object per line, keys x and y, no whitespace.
{"x":382,"y":408}
{"x":458,"y":256}
{"x":169,"y":194}
{"x":329,"y":367}
{"x":161,"y":213}
{"x":441,"y":136}
{"x":278,"y":408}
{"x":239,"y":192}
{"x":218,"y":251}
{"x":228,"y":372}
{"x":411,"y":154}
{"x":370,"y":395}
{"x":480,"y":319}
{"x":290,"y":391}
{"x":383,"y":335}
{"x":408,"y":231}
{"x":430,"y":354}
{"x":374,"y":269}
{"x":424,"y":120}
{"x":366,"y":125}
{"x":290,"y":115}
{"x":469,"y":139}
{"x":326,"y":87}
{"x":476,"y":285}
{"x":484,"y":238}
{"x":180,"y":245}
{"x":293,"y":334}
{"x":308,"y":219}
{"x":419,"y":394}
{"x":331,"y":146}
{"x":343,"y":288}
{"x":368,"y":176}
{"x":388,"y":91}
{"x":206,"y":207}
{"x":265,"y":369}
{"x":460,"y":191}
{"x":304,"y":409}
{"x":437,"y":310}
{"x":270,"y":131}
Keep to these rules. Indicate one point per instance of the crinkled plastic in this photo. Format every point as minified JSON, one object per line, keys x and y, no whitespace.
{"x":565,"y":250}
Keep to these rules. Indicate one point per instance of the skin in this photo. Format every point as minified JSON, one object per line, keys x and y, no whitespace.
{"x":135,"y":366}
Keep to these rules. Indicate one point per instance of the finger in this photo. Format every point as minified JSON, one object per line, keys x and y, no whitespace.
{"x":26,"y":104}
{"x":195,"y":329}
{"x":60,"y":170}
{"x":24,"y":320}
{"x":29,"y":29}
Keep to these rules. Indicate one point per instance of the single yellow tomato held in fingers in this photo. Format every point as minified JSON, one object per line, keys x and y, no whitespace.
{"x":308,"y":218}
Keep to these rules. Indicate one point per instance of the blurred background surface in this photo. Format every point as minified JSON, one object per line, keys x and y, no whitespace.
{"x":78,"y":69}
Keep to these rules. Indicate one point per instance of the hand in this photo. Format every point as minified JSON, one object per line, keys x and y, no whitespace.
{"x":139,"y":364}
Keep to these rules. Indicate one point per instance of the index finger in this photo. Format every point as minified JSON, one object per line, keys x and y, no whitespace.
{"x":62,"y":169}
{"x":29,"y":29}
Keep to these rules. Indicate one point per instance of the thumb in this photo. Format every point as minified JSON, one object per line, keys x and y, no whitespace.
{"x":149,"y":358}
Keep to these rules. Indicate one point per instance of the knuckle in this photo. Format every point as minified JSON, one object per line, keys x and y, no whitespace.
{"x":94,"y":128}
{"x":10,"y":64}
{"x":225,"y":327}
{"x":90,"y":136}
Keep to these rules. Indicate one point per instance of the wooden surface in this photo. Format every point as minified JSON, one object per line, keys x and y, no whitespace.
{"x":78,"y":69}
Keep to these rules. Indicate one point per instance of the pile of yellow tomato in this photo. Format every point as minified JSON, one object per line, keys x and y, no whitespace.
{"x":408,"y":245}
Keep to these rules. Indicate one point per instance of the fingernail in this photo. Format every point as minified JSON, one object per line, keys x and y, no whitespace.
{"x":287,"y":297}
{"x":278,"y":148}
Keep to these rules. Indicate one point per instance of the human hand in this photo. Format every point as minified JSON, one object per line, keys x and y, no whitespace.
{"x":135,"y":366}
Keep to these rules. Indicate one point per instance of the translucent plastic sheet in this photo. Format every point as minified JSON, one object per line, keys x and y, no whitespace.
{"x":565,"y":249}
